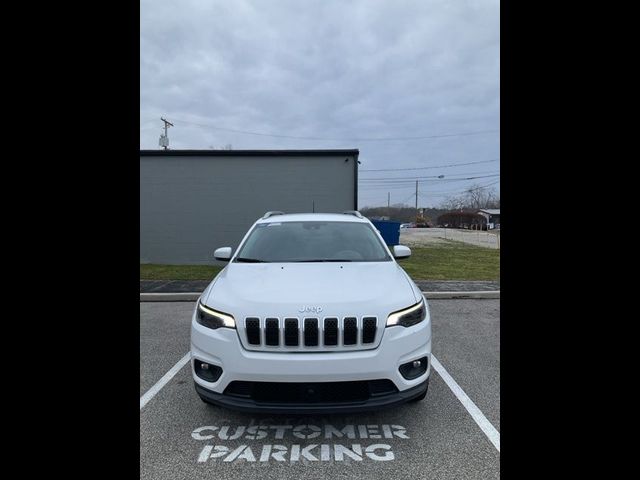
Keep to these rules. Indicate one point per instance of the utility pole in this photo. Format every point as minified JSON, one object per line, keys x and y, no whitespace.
{"x":164,"y":139}
{"x":416,"y":197}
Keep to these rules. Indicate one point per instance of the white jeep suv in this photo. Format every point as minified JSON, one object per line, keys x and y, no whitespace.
{"x":311,"y":315}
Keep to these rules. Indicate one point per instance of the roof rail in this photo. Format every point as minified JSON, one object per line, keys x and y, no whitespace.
{"x":355,"y":213}
{"x":271,"y":214}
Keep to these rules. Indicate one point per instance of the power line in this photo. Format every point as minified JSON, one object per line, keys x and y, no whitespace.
{"x":443,"y":177}
{"x":480,"y":187}
{"x":427,"y":168}
{"x":402,"y":185}
{"x":463,"y":190}
{"x":451,"y":192}
{"x":440,"y":178}
{"x":444,"y":194}
{"x":407,"y":184}
{"x":407,"y":199}
{"x":379,"y":139}
{"x":399,"y":182}
{"x":384,"y":187}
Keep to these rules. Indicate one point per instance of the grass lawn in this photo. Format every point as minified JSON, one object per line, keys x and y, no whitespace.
{"x":178,"y":272}
{"x":442,"y":261}
{"x":453,"y":261}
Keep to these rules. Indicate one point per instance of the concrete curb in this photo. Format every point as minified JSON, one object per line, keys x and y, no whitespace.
{"x":193,"y":296}
{"x":458,"y":295}
{"x":170,"y":297}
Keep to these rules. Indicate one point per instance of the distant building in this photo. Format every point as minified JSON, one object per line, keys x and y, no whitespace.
{"x":492,"y":216}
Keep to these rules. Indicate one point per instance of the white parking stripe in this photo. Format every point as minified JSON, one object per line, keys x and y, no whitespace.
{"x":144,"y":399}
{"x":489,"y":430}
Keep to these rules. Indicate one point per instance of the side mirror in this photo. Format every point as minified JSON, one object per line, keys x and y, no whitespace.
{"x":400,"y":251}
{"x":223,"y":254}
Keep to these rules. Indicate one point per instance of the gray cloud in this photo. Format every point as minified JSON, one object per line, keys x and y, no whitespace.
{"x":330,"y":69}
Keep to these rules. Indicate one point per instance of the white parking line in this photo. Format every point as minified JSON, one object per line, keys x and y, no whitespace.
{"x":489,"y":430}
{"x":144,"y":399}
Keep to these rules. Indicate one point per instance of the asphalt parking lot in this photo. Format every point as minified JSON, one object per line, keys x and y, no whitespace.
{"x":440,"y":437}
{"x":421,"y":237}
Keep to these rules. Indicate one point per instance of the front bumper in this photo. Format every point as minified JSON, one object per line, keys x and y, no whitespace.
{"x":222,"y":347}
{"x":250,"y":406}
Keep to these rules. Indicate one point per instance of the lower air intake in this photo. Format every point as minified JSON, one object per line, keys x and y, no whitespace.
{"x":304,"y":393}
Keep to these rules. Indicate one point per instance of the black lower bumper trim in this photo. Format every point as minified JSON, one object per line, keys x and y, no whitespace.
{"x":251,"y":406}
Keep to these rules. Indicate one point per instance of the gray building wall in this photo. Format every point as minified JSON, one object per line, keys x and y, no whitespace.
{"x":194,"y":202}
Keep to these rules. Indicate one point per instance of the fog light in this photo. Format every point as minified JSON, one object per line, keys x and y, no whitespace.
{"x":414,"y":369}
{"x":206,"y":371}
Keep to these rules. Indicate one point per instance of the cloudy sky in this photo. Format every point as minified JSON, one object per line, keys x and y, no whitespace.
{"x":366,"y":74}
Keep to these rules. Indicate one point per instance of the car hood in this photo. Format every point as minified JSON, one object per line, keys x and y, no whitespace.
{"x":283,"y":289}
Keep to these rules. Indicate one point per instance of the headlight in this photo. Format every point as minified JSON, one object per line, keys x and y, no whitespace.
{"x":408,"y":316}
{"x":212,"y":319}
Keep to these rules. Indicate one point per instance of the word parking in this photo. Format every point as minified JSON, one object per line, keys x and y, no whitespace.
{"x":318,"y":450}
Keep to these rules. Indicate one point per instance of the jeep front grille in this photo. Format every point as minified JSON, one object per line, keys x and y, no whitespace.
{"x":291,"y":333}
{"x":368,"y":329}
{"x":305,"y":334}
{"x":272,"y":332}
{"x":350,"y":331}
{"x":253,"y":330}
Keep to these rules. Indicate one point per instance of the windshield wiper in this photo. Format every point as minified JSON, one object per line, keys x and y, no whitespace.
{"x":250,"y":260}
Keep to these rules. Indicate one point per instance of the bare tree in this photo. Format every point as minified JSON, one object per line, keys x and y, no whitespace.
{"x":474,"y":198}
{"x":451,"y":203}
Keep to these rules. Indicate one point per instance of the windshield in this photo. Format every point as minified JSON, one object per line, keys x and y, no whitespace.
{"x":312,"y":242}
